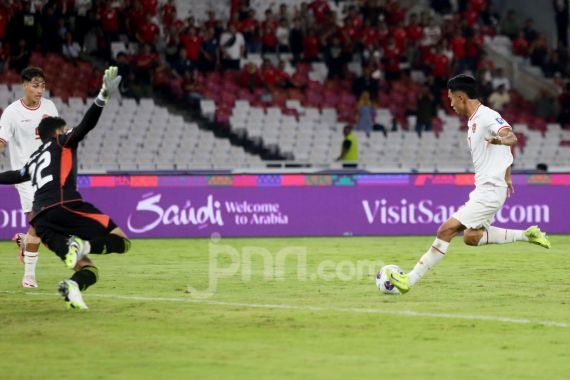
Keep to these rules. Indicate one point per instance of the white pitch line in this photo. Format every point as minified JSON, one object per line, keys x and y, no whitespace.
{"x":408,"y":313}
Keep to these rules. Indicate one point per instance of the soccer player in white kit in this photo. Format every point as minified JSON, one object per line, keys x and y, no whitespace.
{"x":19,"y":129}
{"x":490,"y":139}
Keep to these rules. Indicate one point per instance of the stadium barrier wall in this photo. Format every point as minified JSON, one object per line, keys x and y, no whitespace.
{"x":301,"y":204}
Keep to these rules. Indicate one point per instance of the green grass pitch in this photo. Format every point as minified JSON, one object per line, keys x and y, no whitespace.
{"x":303,"y":308}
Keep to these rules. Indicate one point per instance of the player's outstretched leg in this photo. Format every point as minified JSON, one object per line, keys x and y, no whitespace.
{"x":431,"y":258}
{"x":495,"y":235}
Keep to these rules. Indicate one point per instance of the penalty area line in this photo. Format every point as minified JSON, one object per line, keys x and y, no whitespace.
{"x":407,"y":313}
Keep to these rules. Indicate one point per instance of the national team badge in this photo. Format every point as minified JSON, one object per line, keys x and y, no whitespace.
{"x":474,"y":128}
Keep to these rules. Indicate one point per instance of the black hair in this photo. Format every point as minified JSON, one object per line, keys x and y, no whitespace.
{"x":48,"y":126}
{"x":31,"y":72}
{"x":464,"y":83}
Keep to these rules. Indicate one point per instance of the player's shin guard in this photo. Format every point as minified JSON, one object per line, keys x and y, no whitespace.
{"x":430,"y":259}
{"x":494,"y":235}
{"x":86,"y":277}
{"x":110,"y":244}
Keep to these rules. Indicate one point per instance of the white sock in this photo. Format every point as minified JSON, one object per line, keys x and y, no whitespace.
{"x":30,"y":261}
{"x":428,"y":260}
{"x":494,"y":235}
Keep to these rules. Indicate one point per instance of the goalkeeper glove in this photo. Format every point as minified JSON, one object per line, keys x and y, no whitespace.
{"x":111,"y":82}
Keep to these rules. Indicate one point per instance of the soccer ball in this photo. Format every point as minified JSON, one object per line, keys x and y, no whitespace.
{"x":383,"y":283}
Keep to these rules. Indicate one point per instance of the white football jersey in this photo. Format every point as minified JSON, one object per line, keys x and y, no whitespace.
{"x":490,"y":161}
{"x":19,"y":129}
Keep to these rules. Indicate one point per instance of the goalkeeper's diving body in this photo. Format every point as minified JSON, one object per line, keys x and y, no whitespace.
{"x":65,"y":223}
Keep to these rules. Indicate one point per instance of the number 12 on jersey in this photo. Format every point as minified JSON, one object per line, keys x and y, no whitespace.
{"x":37,"y":167}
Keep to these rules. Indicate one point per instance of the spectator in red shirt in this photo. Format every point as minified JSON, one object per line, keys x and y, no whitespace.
{"x":311,"y":46}
{"x":211,"y":22}
{"x":250,"y":77}
{"x":150,"y":7}
{"x":144,"y":64}
{"x":192,"y":43}
{"x":320,"y":8}
{"x":470,"y":16}
{"x":350,"y":32}
{"x":168,"y":13}
{"x":269,"y":22}
{"x":369,"y":34}
{"x":268,"y":40}
{"x":395,"y":12}
{"x":520,"y":45}
{"x":109,"y":16}
{"x":250,"y":31}
{"x":283,"y":79}
{"x":439,"y":64}
{"x":400,"y":36}
{"x":382,"y":33}
{"x":269,"y":74}
{"x":414,"y":31}
{"x":136,"y":18}
{"x":473,"y":48}
{"x":354,"y":18}
{"x":392,"y":57}
{"x":147,"y":32}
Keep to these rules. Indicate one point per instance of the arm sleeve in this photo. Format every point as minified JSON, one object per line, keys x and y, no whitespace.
{"x":346,"y":144}
{"x":496,"y":124}
{"x":78,"y":133}
{"x":6,"y":127}
{"x":13,"y":177}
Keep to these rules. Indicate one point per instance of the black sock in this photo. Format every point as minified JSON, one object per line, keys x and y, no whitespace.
{"x":86,"y":277}
{"x":56,"y":242}
{"x":110,"y":244}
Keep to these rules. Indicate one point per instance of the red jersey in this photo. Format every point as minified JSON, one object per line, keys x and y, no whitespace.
{"x":192,"y":45}
{"x":311,"y":47}
{"x":269,"y":39}
{"x":369,"y":36}
{"x":400,"y":37}
{"x":150,"y":7}
{"x":109,"y":20}
{"x":458,"y":47}
{"x":440,"y":65}
{"x":414,"y":33}
{"x":168,"y":11}
{"x":520,"y":47}
{"x":148,"y":32}
{"x":319,"y":8}
{"x":269,"y":76}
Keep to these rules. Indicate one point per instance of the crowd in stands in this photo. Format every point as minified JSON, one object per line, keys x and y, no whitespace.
{"x":399,"y":55}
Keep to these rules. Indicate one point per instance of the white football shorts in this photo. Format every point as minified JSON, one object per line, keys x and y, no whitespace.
{"x":484,"y":202}
{"x":26,"y":191}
